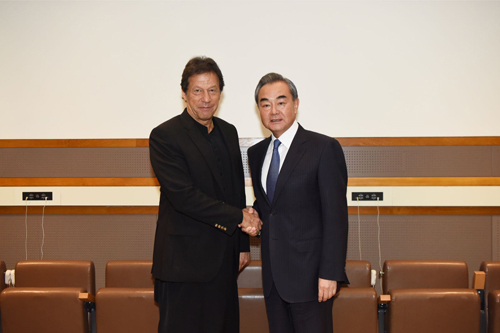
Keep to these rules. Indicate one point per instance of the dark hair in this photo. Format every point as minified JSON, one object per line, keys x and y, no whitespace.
{"x":275,"y":77}
{"x":200,"y":65}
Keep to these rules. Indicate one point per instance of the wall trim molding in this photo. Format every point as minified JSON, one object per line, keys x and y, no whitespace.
{"x":153,"y":210}
{"x":353,"y":181}
{"x":346,"y":142}
{"x":424,"y":181}
{"x":79,"y":182}
{"x":74,"y":143}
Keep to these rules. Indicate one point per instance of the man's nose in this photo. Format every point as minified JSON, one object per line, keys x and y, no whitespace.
{"x":206,"y":97}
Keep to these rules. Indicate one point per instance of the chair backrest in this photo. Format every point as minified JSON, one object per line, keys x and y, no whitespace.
{"x":43,"y":310}
{"x":359,"y":273}
{"x":434,"y":311}
{"x":126,"y":310}
{"x":251,"y":276}
{"x":492,"y":270}
{"x":356,"y":300}
{"x":494,"y":311}
{"x":415,"y":274}
{"x":56,"y":273}
{"x":253,"y":316}
{"x":492,"y":284}
{"x":3,"y":268}
{"x":355,"y":310}
{"x":129,"y":274}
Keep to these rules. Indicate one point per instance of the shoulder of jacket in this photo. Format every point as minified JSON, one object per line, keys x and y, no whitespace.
{"x":224,"y":124}
{"x":319,"y":138}
{"x":169,"y":125}
{"x":258,"y":145}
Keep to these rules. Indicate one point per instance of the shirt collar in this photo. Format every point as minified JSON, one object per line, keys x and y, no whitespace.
{"x":202,"y":128}
{"x":287,"y":137}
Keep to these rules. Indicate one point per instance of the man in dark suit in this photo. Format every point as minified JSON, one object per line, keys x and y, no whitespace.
{"x":299,"y":179}
{"x":197,"y":160}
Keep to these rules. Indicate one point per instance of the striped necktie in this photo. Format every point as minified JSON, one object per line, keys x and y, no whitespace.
{"x":274,"y":170}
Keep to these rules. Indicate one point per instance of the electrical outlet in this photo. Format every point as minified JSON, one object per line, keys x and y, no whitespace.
{"x":367,"y":196}
{"x":42,"y":196}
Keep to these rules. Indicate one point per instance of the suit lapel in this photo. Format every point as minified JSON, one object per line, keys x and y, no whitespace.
{"x":297,"y":149}
{"x":233,"y":147}
{"x":203,"y":146}
{"x":261,"y":155}
{"x":229,"y":140}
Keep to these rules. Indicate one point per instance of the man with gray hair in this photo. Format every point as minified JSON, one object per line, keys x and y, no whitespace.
{"x":300,"y":180}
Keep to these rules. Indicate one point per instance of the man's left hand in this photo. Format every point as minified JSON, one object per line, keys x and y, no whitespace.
{"x":326,"y":289}
{"x":244,"y":259}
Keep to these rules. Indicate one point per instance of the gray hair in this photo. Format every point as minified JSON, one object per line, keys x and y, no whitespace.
{"x":275,"y":77}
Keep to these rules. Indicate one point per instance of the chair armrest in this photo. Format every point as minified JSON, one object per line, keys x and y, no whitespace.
{"x":383,"y":305}
{"x":384,"y":299}
{"x":86,"y":297}
{"x":479,"y":280}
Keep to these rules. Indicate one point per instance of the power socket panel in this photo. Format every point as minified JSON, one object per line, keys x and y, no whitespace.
{"x":367,"y":196}
{"x":37,"y":196}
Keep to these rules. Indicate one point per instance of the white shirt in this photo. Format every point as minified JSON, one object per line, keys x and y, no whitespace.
{"x":286,"y":141}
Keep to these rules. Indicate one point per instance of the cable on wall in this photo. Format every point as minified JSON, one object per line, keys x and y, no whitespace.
{"x":26,"y":229}
{"x":359,"y":232}
{"x":43,"y":229}
{"x":378,"y":238}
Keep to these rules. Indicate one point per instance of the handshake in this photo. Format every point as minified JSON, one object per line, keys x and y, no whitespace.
{"x":251,"y":223}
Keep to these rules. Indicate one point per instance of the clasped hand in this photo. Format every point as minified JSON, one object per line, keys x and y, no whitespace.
{"x":251,"y":223}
